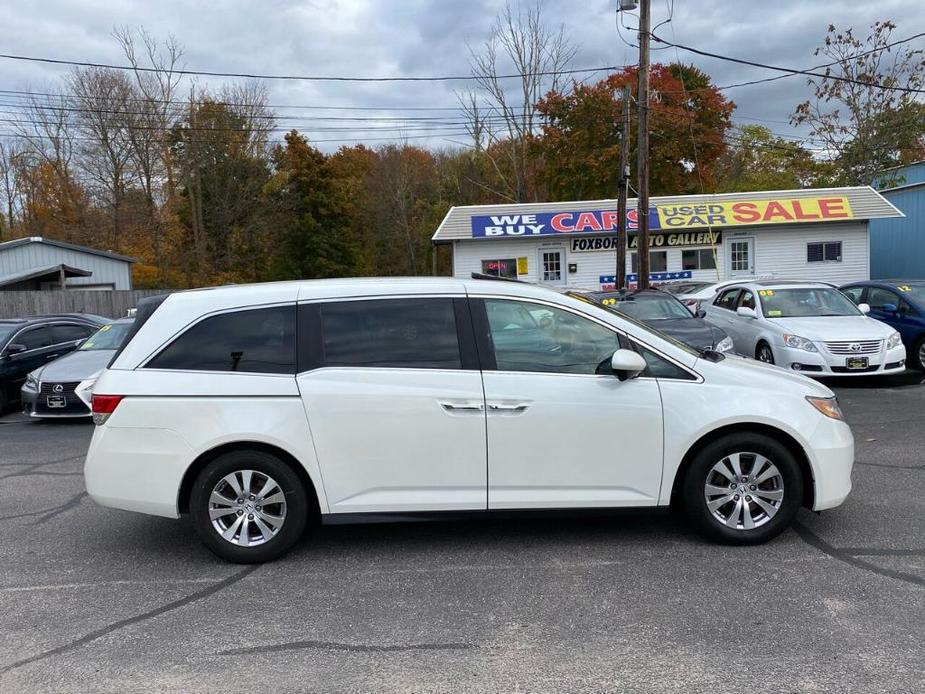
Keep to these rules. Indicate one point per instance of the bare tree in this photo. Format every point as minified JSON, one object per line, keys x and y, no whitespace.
{"x":10,"y":163}
{"x":519,"y":44}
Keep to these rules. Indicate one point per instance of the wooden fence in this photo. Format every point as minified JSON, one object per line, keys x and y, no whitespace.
{"x":112,"y":303}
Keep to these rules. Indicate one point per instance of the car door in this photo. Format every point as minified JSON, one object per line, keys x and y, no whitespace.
{"x":395,"y":404}
{"x":884,"y":306}
{"x":39,"y":350}
{"x":747,"y":329}
{"x":721,"y":313}
{"x":563,"y":430}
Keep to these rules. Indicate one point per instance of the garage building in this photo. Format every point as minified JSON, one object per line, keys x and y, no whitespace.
{"x":818,"y":234}
{"x":37,"y":263}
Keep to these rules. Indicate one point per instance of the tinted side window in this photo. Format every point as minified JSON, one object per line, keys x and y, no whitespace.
{"x":34,"y":338}
{"x":70,"y":333}
{"x":747,"y":300}
{"x":878,"y":298}
{"x":657,"y":367}
{"x":391,"y":333}
{"x":255,"y":340}
{"x":530,"y":337}
{"x":727,"y":299}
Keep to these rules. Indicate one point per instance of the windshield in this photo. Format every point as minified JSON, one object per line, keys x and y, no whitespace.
{"x":110,"y":336}
{"x":808,"y":301}
{"x":646,"y":328}
{"x":916,"y":291}
{"x":649,"y":308}
{"x":684,"y":287}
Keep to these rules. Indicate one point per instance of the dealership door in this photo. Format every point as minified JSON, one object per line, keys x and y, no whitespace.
{"x":551,"y":265}
{"x":741,"y":256}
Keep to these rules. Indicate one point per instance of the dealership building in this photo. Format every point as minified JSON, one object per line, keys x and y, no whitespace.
{"x":813,"y":234}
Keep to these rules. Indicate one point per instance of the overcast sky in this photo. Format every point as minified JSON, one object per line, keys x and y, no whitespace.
{"x":425,"y":37}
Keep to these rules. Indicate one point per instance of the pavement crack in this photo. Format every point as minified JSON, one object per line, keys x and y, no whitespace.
{"x":841,"y":555}
{"x":894,"y":467}
{"x":350,"y":647}
{"x":879,"y":552}
{"x":129,"y":621}
{"x":73,"y":502}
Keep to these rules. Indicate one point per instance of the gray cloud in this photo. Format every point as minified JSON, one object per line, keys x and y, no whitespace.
{"x":426,"y":37}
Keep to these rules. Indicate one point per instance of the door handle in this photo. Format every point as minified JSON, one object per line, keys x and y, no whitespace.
{"x":502,"y":407}
{"x":50,"y":356}
{"x":462,"y":406}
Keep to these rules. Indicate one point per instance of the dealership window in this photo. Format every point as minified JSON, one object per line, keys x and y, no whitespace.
{"x":698,"y":259}
{"x":658,"y":261}
{"x":391,"y":333}
{"x":506,"y":268}
{"x":254,"y":340}
{"x":823,"y":252}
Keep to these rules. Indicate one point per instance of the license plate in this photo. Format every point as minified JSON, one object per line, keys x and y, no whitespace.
{"x":855,"y":363}
{"x":56,"y":401}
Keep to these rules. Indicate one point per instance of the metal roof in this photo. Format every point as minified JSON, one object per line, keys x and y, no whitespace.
{"x":866,"y":203}
{"x":51,"y":271}
{"x":64,"y":244}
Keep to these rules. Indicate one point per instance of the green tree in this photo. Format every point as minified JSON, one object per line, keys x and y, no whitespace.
{"x":755,"y":159}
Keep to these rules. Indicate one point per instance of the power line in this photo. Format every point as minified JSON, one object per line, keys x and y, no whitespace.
{"x":792,"y":71}
{"x":307,"y":78}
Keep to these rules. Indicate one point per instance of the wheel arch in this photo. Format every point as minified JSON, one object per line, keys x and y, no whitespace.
{"x":208,"y":456}
{"x":794,"y":446}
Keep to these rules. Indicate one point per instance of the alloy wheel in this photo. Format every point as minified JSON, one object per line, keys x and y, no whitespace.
{"x":765,"y":354}
{"x":247,"y":508}
{"x":922,"y":353}
{"x":744,"y":491}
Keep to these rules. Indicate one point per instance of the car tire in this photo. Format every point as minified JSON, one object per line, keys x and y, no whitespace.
{"x":918,"y":355}
{"x":226,"y":509}
{"x":764,"y":353}
{"x":750,"y":501}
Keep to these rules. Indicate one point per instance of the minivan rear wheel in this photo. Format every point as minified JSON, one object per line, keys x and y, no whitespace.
{"x":248,"y":506}
{"x":743,"y":489}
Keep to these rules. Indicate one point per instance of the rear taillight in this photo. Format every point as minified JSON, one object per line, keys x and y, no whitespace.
{"x":103,"y":406}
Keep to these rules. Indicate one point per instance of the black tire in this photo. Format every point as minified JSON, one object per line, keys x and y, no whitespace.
{"x":4,"y":400}
{"x":296,"y":506}
{"x":699,"y":474}
{"x":916,"y":356}
{"x":763,"y":353}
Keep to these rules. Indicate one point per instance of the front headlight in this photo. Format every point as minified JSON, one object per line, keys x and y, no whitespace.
{"x":894,"y":340}
{"x":827,"y":406}
{"x":32,"y":383}
{"x":798,"y":342}
{"x":725,"y":345}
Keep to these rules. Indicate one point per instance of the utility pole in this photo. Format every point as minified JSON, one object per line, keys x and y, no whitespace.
{"x":623,"y":181}
{"x":642,"y":147}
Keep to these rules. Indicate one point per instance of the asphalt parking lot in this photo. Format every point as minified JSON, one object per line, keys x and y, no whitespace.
{"x":100,"y":600}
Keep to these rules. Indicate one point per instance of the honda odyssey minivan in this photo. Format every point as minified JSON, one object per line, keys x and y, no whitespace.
{"x":259,"y":409}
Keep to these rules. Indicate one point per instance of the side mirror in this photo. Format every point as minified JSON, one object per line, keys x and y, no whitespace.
{"x":626,"y":363}
{"x":864,"y":308}
{"x":889,"y":308}
{"x":746,"y":312}
{"x":701,"y":314}
{"x":14,"y":348}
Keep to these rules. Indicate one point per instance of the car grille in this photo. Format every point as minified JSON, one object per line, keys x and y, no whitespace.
{"x":854,"y":346}
{"x":49,"y":388}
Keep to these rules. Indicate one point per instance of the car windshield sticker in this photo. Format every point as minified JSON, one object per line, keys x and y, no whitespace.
{"x":765,"y":292}
{"x":774,"y":313}
{"x":609,"y":302}
{"x":905,"y":288}
{"x":105,"y":328}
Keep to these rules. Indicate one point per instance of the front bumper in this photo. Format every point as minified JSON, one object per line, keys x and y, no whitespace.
{"x":824,"y":363}
{"x":831,"y":450}
{"x":35,"y":405}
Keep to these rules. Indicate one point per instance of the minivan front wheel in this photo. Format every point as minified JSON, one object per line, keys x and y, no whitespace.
{"x":248,"y":506}
{"x":743,"y":489}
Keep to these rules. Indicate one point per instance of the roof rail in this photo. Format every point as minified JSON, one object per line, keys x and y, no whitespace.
{"x":483,"y":276}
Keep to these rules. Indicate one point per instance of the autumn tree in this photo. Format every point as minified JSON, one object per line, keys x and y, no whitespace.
{"x":688,"y":121}
{"x":864,"y":111}
{"x":756,"y":159}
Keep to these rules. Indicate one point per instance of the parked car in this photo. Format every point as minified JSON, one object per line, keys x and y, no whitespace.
{"x":53,"y":390}
{"x":28,"y":343}
{"x":402,"y":398}
{"x":901,"y":305}
{"x":695,"y":294}
{"x":808,"y":327}
{"x":664,"y":312}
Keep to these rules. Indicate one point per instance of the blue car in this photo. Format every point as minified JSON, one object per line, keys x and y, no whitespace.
{"x":901,"y":305}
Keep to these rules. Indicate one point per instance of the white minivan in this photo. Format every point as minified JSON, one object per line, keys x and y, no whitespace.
{"x":257,"y":409}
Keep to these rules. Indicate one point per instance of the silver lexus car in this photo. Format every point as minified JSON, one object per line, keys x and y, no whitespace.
{"x":62,"y":388}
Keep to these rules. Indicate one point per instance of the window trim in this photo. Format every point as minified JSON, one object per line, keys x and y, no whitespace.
{"x":26,"y":329}
{"x":480,"y":322}
{"x":482,"y":262}
{"x":714,"y":256}
{"x":723,"y":292}
{"x":841,"y":256}
{"x":143,"y":364}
